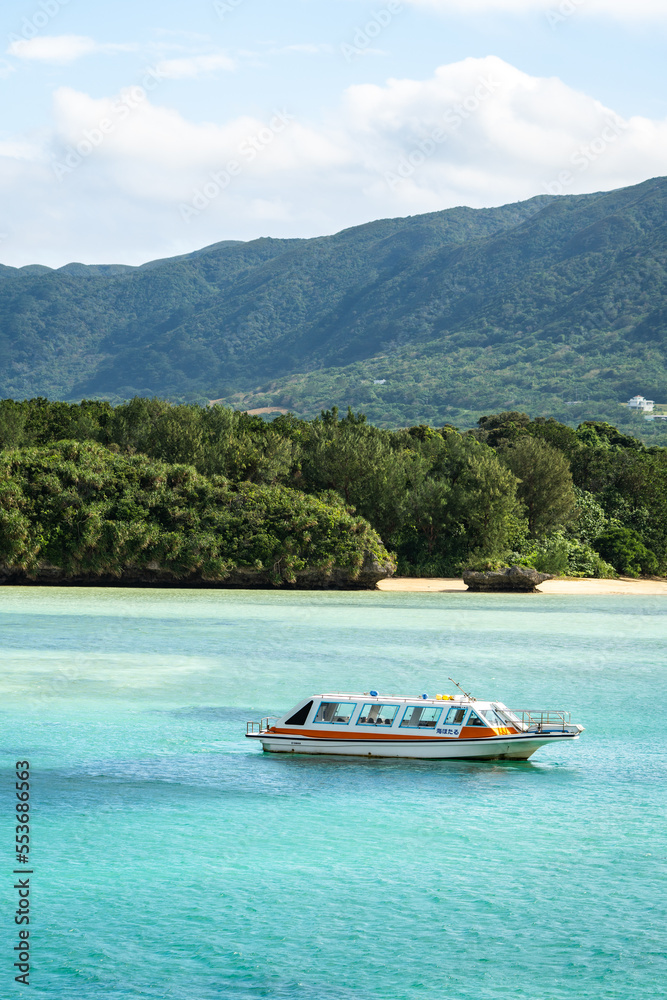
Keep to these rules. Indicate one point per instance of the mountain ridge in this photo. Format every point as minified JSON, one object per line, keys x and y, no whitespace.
{"x":447,"y":305}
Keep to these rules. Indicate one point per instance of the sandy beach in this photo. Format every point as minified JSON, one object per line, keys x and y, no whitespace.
{"x":624,"y":585}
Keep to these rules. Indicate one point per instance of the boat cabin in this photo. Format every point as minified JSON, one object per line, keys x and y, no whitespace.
{"x":384,"y":715}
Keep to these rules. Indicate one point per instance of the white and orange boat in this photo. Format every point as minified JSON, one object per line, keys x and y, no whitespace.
{"x":447,"y":727}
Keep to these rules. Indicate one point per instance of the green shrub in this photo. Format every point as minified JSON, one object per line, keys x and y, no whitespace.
{"x":564,"y":556}
{"x":88,"y":511}
{"x":482,"y":565}
{"x":626,"y":552}
{"x":552,"y":556}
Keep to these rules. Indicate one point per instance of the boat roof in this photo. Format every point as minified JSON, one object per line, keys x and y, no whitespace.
{"x":401,"y":699}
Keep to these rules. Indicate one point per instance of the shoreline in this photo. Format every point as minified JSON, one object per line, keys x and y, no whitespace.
{"x":563,"y":585}
{"x":570,"y":586}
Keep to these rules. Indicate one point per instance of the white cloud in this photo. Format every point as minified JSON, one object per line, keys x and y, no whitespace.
{"x":59,"y":48}
{"x":68,"y":48}
{"x":192,"y":66}
{"x":62,"y":48}
{"x":623,"y":9}
{"x":151,"y":152}
{"x":481,"y":131}
{"x":109,"y":182}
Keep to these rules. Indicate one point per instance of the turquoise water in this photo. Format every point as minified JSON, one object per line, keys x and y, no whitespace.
{"x":173,"y":859}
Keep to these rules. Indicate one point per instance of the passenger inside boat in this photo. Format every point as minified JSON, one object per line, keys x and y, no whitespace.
{"x":377,"y":715}
{"x":335,"y":712}
{"x":475,"y":720}
{"x":486,"y":717}
{"x":420,"y":718}
{"x":455,"y":716}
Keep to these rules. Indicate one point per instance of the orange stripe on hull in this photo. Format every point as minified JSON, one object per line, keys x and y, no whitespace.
{"x":345,"y":734}
{"x":468,"y":732}
{"x":476,"y":732}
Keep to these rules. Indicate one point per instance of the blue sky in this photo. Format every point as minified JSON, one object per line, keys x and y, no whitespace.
{"x":131,"y":131}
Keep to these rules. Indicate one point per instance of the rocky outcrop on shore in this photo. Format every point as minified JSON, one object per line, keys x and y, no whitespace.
{"x":517,"y":579}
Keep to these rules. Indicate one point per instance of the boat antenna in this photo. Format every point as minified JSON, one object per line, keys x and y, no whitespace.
{"x":468,"y":696}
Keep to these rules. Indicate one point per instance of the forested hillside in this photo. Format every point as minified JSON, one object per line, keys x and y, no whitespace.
{"x":556,"y":305}
{"x":210,"y":491}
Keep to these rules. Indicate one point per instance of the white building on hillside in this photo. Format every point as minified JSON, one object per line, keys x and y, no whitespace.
{"x":641,"y":404}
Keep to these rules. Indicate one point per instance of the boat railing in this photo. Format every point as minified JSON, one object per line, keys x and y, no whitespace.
{"x":259,"y":727}
{"x":538,"y":720}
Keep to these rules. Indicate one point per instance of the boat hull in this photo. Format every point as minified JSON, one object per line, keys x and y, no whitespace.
{"x":519,"y":747}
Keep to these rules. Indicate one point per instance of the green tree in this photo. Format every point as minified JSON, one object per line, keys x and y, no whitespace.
{"x":545,"y":483}
{"x":358,"y":461}
{"x":502,"y":428}
{"x":460,"y":502}
{"x":589,"y":519}
{"x":12,"y":424}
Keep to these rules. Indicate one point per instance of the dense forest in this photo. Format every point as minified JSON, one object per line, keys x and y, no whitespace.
{"x":556,"y":306}
{"x":95,"y":489}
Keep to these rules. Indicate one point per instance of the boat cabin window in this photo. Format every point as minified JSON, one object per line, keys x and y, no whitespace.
{"x":299,"y":717}
{"x":420,"y":718}
{"x":475,"y":720}
{"x":377,"y":715}
{"x":493,"y":719}
{"x":337,"y":712}
{"x":455,"y":716}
